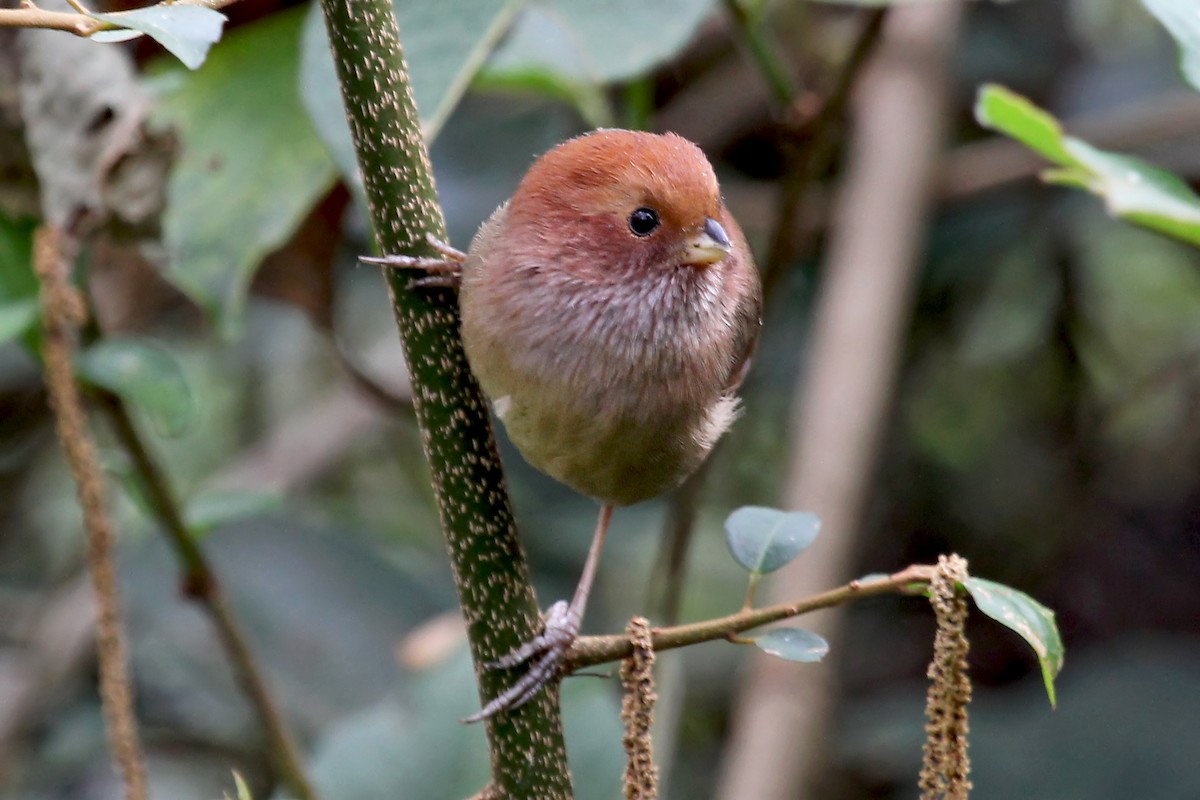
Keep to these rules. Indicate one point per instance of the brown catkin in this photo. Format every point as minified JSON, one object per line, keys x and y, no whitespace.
{"x":637,"y":712}
{"x":63,"y":311}
{"x":944,"y":774}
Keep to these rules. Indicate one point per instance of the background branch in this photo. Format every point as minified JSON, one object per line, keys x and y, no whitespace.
{"x":862,"y":310}
{"x":201,"y":584}
{"x":63,"y":310}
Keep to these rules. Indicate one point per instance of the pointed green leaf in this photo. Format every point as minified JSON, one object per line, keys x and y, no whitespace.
{"x":793,"y":644}
{"x":999,"y":109}
{"x":186,"y":31}
{"x":145,"y":375}
{"x":1131,"y":189}
{"x":764,"y":539}
{"x":1029,"y":618}
{"x":1182,"y":19}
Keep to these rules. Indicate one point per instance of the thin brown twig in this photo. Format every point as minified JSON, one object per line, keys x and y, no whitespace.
{"x":80,"y":24}
{"x":591,"y":650}
{"x":63,"y":312}
{"x":200,"y":584}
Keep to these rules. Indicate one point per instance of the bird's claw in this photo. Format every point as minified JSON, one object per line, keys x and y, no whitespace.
{"x":544,"y":653}
{"x":444,"y":272}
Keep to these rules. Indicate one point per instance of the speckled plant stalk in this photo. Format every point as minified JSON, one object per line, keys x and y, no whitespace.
{"x":528,"y":757}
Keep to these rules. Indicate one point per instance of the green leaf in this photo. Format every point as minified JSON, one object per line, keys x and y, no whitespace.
{"x":185,"y":31}
{"x":793,"y":644}
{"x":17,"y":280}
{"x":251,"y":165}
{"x":445,"y":44}
{"x":764,"y":539}
{"x":1182,"y":19}
{"x":999,"y":109}
{"x":18,"y":285}
{"x":217,"y":508}
{"x":598,"y":43}
{"x":1029,"y":618}
{"x":145,"y":375}
{"x":17,"y":318}
{"x":1131,"y":189}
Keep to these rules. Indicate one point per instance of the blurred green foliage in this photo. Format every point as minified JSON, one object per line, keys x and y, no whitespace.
{"x":1046,"y":423}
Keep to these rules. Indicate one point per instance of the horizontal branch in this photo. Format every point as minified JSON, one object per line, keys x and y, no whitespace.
{"x":591,"y":650}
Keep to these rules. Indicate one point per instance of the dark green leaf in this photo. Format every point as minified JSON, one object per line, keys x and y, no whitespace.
{"x":17,"y":280}
{"x":251,"y":166}
{"x":213,"y":509}
{"x":445,"y":43}
{"x":17,"y":318}
{"x":186,"y":31}
{"x":1182,"y":19}
{"x":145,"y":375}
{"x":1132,"y":189}
{"x":764,"y":539}
{"x":1029,"y":618}
{"x":793,"y":644}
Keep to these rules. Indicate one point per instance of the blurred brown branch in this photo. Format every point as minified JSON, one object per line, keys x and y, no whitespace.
{"x":843,"y":397}
{"x":201,"y":584}
{"x":63,"y":311}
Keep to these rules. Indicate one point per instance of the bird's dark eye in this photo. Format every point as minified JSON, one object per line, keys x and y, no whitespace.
{"x":643,"y":221}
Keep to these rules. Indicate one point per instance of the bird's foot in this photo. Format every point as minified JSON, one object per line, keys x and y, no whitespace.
{"x":440,"y":273}
{"x":543,"y":653}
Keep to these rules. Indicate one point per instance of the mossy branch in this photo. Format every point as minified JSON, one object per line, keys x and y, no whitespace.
{"x":498,"y":603}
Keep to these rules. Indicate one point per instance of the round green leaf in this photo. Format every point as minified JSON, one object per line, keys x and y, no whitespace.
{"x":145,"y":375}
{"x":1029,"y":618}
{"x":764,"y":539}
{"x":793,"y":644}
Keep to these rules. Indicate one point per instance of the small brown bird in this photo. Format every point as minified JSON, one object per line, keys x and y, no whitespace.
{"x":609,"y":310}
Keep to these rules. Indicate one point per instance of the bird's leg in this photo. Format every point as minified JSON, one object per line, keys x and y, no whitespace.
{"x":443,"y":273}
{"x":545,"y":652}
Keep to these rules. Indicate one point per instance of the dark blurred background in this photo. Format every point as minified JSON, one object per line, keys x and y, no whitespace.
{"x":1032,"y":402}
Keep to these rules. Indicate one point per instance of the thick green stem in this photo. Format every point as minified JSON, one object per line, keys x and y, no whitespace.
{"x":498,"y":603}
